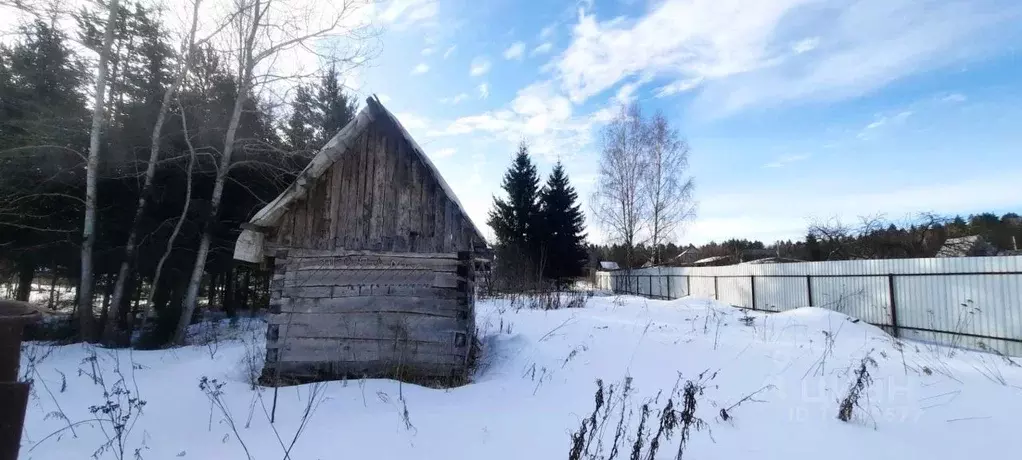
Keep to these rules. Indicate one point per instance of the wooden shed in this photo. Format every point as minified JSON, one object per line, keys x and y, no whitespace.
{"x":373,"y":262}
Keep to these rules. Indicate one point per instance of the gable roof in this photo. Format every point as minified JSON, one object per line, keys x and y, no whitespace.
{"x":374,"y":111}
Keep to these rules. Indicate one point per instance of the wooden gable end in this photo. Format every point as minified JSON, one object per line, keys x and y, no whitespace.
{"x":377,"y":196}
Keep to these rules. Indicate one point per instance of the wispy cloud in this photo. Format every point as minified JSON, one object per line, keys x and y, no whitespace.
{"x":444,"y":153}
{"x":548,"y":31}
{"x":420,"y":69}
{"x":542,"y":48}
{"x":455,"y":99}
{"x":484,"y":90}
{"x":806,"y":45}
{"x":515,"y":51}
{"x":450,"y":51}
{"x":428,"y":51}
{"x":480,"y":66}
{"x":677,"y":87}
{"x":884,"y":120}
{"x":784,"y":160}
{"x":406,"y":13}
{"x":954,"y":98}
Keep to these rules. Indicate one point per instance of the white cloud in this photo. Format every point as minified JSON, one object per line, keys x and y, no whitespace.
{"x":884,"y":120}
{"x":515,"y":51}
{"x":954,"y":97}
{"x":626,"y":93}
{"x":806,"y":45}
{"x":406,"y":13}
{"x":480,"y":66}
{"x":542,"y":48}
{"x":484,"y":90}
{"x":548,"y":31}
{"x":454,"y":100}
{"x":383,"y":98}
{"x":744,"y":54}
{"x":784,"y":160}
{"x":539,"y":114}
{"x":679,"y":86}
{"x":420,"y":69}
{"x":444,"y":153}
{"x":449,"y":51}
{"x":428,"y":51}
{"x":411,"y":121}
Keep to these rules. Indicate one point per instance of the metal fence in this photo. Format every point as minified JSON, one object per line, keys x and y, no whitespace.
{"x":971,"y":302}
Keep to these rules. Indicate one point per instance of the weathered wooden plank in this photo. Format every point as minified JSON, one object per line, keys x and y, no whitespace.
{"x":403,"y":190}
{"x":301,"y":349}
{"x":373,"y":302}
{"x":406,"y":291}
{"x":367,"y":190}
{"x":335,"y":197}
{"x":384,"y":326}
{"x":364,"y":277}
{"x":429,"y":214}
{"x":451,"y":227}
{"x":359,"y":262}
{"x":297,"y":253}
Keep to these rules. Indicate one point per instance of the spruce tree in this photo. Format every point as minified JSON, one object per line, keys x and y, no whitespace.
{"x":515,"y":220}
{"x":334,"y":107}
{"x":563,"y":228}
{"x":300,"y":132}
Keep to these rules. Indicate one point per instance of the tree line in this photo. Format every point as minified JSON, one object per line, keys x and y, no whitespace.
{"x":132,"y":153}
{"x":539,"y":230}
{"x":869,"y":238}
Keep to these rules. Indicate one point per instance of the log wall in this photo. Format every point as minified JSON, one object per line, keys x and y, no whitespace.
{"x":355,"y":314}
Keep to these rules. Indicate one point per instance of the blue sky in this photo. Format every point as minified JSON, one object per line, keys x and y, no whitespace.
{"x":795,"y":110}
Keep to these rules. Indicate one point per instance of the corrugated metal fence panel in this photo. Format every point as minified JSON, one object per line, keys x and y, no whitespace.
{"x":735,"y":290}
{"x":779,"y":294}
{"x":983,"y":305}
{"x":702,"y":287}
{"x":864,"y":297}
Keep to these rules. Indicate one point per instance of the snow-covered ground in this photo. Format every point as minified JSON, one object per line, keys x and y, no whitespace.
{"x":536,"y":383}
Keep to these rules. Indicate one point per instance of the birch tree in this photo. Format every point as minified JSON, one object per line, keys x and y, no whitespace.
{"x":112,"y":332}
{"x":261,"y":31}
{"x":87,"y":321}
{"x":667,"y":189}
{"x":618,"y":204}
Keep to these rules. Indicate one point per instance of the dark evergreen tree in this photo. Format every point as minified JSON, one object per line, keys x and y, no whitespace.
{"x":300,"y":132}
{"x":334,"y":107}
{"x":516,"y":220}
{"x":563,"y":228}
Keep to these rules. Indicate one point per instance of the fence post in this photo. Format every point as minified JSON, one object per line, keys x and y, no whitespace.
{"x":752,"y":284}
{"x":809,"y":288}
{"x":688,"y":285}
{"x":894,"y":306}
{"x":651,"y":286}
{"x":668,"y":287}
{"x":716,"y":295}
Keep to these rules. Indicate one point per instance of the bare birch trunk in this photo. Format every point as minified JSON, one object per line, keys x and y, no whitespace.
{"x":86,"y":320}
{"x":192,"y":296}
{"x":112,"y":333}
{"x":177,"y":227}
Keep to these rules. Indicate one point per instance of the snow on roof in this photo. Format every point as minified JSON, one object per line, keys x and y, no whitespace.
{"x":608,"y":265}
{"x":710,"y":259}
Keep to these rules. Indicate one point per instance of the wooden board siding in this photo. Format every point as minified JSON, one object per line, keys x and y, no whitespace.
{"x":378,"y":196}
{"x":345,"y":313}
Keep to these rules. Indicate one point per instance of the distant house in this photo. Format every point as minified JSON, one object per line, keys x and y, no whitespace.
{"x":966,"y":246}
{"x":608,"y":265}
